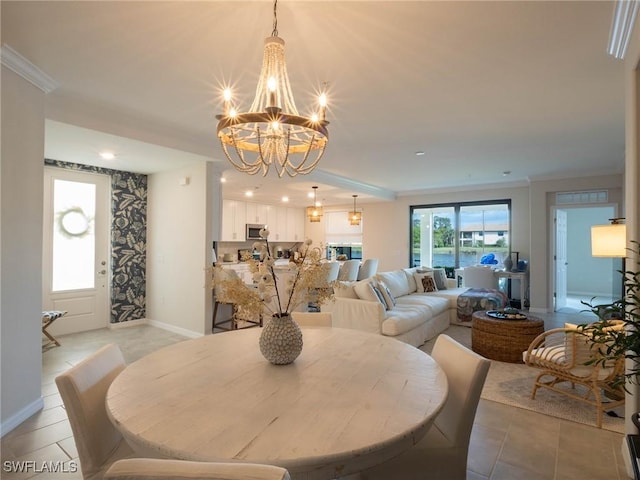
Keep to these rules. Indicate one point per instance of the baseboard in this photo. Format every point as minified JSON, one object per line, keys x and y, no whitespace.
{"x":174,"y":329}
{"x":14,"y":420}
{"x":130,"y":323}
{"x":539,"y":310}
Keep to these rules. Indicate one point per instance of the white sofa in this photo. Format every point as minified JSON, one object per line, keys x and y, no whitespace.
{"x":415,"y":317}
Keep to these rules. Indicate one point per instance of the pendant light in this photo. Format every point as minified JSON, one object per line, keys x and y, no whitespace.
{"x":355,"y":216}
{"x":314,"y":212}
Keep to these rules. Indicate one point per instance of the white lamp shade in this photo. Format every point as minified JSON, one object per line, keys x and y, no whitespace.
{"x":609,"y":240}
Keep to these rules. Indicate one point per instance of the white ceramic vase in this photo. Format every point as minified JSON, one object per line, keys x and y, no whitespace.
{"x":281,"y":340}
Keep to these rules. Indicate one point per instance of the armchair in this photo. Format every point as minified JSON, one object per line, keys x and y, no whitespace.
{"x":568,"y":355}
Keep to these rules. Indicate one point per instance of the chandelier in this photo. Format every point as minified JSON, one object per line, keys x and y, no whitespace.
{"x":314,"y":212}
{"x":272,"y":132}
{"x":355,"y":216}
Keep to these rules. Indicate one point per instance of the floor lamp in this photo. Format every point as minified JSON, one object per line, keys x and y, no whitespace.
{"x":610,"y":241}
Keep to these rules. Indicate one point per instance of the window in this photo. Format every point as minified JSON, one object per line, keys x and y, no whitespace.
{"x":460,"y":234}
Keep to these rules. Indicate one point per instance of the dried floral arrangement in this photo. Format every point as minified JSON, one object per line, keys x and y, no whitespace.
{"x":303,"y":281}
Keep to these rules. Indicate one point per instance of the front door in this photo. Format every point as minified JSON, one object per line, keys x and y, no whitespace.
{"x":76,"y":249}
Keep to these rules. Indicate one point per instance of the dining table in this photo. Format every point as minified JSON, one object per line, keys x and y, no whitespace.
{"x":350,"y":401}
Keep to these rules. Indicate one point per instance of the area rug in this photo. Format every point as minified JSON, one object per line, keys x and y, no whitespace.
{"x":511,"y":384}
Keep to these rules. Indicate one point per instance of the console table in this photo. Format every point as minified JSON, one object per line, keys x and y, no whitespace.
{"x":523,"y":277}
{"x":350,"y":401}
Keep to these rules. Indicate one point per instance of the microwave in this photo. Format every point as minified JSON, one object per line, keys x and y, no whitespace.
{"x":253,"y":231}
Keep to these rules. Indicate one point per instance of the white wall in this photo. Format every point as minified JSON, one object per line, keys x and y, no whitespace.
{"x":587,"y":275}
{"x":21,"y":248}
{"x":180,"y":233}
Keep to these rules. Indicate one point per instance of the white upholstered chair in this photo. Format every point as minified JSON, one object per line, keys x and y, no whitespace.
{"x":312,"y":319}
{"x":349,"y":271}
{"x":442,"y":453}
{"x":333,"y":269}
{"x":160,"y":469}
{"x":480,"y":277}
{"x":368,"y":268}
{"x":83,"y":389}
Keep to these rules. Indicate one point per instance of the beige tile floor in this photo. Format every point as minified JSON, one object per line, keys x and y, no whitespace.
{"x":506,"y":442}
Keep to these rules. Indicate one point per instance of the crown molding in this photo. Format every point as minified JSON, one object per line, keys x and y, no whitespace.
{"x":622,"y":23}
{"x":27,"y":70}
{"x":338,"y":181}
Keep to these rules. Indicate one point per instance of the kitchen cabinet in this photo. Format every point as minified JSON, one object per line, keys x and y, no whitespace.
{"x":286,"y":224}
{"x":295,"y":224}
{"x":260,"y":214}
{"x":234,"y":221}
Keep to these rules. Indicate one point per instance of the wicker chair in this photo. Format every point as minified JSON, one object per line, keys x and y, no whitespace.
{"x":568,"y":355}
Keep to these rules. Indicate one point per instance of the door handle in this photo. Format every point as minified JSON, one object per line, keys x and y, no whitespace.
{"x":102,"y":272}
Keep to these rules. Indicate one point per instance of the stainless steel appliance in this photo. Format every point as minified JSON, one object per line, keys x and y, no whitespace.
{"x":253,"y":231}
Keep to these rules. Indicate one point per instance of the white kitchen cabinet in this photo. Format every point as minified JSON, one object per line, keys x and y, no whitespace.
{"x":259,"y":214}
{"x":278,"y":227}
{"x":295,"y":224}
{"x":234,"y":221}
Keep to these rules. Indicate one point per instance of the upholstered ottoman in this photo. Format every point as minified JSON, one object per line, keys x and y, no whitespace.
{"x":476,"y":299}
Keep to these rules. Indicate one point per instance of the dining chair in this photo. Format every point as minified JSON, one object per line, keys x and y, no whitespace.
{"x":312,"y":319}
{"x":442,"y":453}
{"x":164,"y":469}
{"x":368,"y":268}
{"x":479,"y":277}
{"x":83,"y":389}
{"x":349,"y":271}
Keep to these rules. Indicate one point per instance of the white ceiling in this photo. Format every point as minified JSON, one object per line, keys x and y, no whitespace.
{"x":480,"y":87}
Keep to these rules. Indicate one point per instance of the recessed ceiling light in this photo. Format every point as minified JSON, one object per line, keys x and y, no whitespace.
{"x":285,"y":199}
{"x":248,"y":193}
{"x":419,"y":153}
{"x":223,"y":180}
{"x":105,"y":155}
{"x":506,"y":172}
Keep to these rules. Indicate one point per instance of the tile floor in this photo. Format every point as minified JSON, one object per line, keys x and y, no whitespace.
{"x":506,"y":442}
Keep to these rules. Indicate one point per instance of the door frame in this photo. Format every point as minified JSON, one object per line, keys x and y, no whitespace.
{"x":552,"y":257}
{"x":103,"y":211}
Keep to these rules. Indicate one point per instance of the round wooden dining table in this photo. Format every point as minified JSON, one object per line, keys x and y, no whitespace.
{"x":350,"y":401}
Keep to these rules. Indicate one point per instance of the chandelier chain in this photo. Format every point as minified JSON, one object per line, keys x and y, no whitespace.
{"x":274,"y":33}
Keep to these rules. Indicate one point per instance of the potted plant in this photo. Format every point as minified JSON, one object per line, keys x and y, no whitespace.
{"x":625,"y":342}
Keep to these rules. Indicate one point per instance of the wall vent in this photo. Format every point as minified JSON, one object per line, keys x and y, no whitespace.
{"x":565,"y":198}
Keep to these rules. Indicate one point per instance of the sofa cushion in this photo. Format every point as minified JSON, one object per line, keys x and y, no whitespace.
{"x":404,"y":318}
{"x":450,"y":294}
{"x":396,"y":280}
{"x":345,"y":290}
{"x":436,"y":305}
{"x":364,"y":291}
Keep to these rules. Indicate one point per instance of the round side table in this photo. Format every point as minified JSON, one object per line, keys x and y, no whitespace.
{"x":501,"y":339}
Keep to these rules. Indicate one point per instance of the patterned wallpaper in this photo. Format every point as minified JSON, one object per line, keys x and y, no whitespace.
{"x":128,"y":240}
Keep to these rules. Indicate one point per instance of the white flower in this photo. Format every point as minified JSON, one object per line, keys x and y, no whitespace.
{"x":264,"y":233}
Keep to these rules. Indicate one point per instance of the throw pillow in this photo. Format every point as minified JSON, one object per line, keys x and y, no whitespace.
{"x":364,"y":291}
{"x":429,"y":284}
{"x":419,"y":276}
{"x":440,"y":277}
{"x":388,"y":296}
{"x":376,"y":290}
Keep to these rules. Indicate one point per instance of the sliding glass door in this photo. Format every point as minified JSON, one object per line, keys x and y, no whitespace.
{"x":460,"y":234}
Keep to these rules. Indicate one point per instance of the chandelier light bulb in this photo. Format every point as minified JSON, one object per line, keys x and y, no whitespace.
{"x":227,"y":94}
